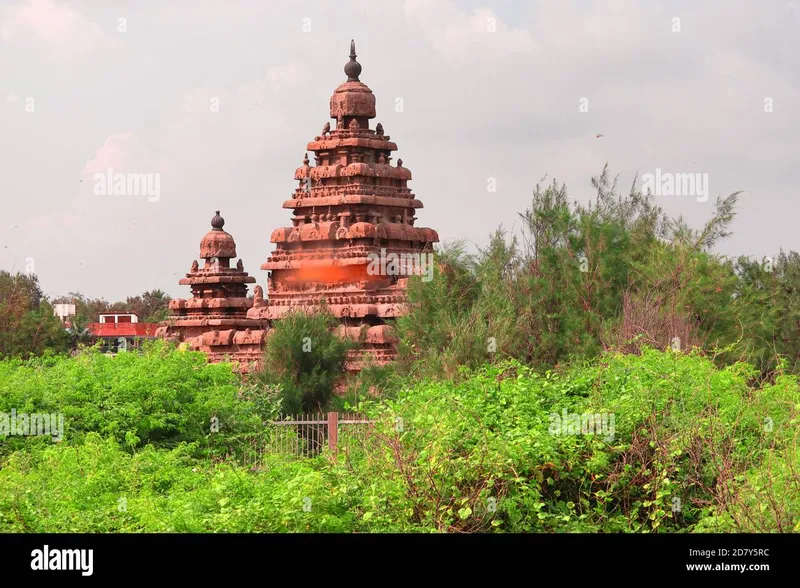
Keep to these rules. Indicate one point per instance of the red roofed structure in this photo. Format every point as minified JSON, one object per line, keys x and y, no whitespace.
{"x":121,"y":331}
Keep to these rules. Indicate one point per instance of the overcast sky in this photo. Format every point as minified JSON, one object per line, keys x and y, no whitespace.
{"x":220,"y":99}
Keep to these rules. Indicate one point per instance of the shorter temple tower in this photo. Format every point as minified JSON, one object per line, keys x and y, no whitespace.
{"x":214,"y":320}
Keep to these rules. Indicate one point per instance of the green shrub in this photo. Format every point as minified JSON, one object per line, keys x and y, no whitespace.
{"x":692,"y":448}
{"x":161,"y":396}
{"x":305,"y":357}
{"x":99,"y":487}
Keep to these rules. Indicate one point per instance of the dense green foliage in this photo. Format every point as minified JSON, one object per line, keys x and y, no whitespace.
{"x":161,"y":397}
{"x":616,"y":274}
{"x":694,"y":447}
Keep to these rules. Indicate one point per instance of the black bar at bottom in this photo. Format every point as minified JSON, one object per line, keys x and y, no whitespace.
{"x":313,"y":557}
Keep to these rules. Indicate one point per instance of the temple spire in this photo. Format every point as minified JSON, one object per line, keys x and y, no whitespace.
{"x":352,"y":68}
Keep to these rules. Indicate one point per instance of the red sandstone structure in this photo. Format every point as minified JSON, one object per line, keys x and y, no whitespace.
{"x":352,"y":212}
{"x":215,"y":319}
{"x":350,"y":208}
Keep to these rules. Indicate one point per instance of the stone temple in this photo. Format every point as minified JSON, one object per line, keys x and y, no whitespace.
{"x":214,"y":320}
{"x":351,"y":246}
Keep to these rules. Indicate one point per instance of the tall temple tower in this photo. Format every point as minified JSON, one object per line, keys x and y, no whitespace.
{"x":350,"y":209}
{"x":214,"y":320}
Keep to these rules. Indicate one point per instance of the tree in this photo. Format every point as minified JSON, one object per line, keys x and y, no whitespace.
{"x":27,"y":323}
{"x":151,"y":306}
{"x":615,"y":272}
{"x":79,"y":332}
{"x":305,"y":357}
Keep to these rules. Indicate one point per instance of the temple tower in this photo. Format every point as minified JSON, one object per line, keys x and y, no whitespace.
{"x":214,"y":320}
{"x":352,"y":242}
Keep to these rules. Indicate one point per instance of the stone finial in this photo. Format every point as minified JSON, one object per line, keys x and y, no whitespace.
{"x":305,"y":158}
{"x":326,"y":130}
{"x":399,"y":163}
{"x":240,"y":265}
{"x":352,"y":68}
{"x":379,"y":129}
{"x":217,"y":222}
{"x":195,"y":266}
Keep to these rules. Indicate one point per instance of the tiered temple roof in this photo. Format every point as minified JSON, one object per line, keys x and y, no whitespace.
{"x":350,"y":206}
{"x":214,"y":320}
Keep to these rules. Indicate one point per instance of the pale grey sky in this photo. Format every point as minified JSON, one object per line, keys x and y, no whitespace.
{"x":489,"y":90}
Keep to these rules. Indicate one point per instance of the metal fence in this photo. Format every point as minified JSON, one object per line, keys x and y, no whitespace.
{"x":308,"y":435}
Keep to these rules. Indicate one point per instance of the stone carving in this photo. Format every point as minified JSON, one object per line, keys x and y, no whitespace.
{"x":226,"y":307}
{"x":361,"y":202}
{"x":366,"y":210}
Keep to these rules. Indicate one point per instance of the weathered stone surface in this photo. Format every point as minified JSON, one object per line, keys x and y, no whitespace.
{"x":214,"y":320}
{"x":349,"y":207}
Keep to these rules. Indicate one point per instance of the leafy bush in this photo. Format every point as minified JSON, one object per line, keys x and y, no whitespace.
{"x":305,"y":357}
{"x":161,"y":396}
{"x":692,"y":448}
{"x":99,"y":487}
{"x":482,"y":454}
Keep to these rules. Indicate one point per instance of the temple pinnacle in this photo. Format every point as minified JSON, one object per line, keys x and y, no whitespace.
{"x":352,"y":68}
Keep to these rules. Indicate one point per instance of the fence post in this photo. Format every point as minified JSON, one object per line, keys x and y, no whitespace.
{"x":333,"y":430}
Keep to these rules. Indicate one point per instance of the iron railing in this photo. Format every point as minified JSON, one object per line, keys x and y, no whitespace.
{"x":309,"y":435}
